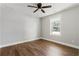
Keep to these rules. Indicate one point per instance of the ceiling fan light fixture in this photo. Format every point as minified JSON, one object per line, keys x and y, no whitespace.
{"x":39,"y":6}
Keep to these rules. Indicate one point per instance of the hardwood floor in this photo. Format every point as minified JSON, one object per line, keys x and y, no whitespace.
{"x":39,"y":48}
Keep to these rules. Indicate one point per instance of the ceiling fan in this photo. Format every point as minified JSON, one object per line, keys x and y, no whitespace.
{"x":39,"y":6}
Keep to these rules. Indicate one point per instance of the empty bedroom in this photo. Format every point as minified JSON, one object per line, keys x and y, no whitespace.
{"x":39,"y":29}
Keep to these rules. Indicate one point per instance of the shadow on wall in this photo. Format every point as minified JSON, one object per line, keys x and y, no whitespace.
{"x":17,"y":27}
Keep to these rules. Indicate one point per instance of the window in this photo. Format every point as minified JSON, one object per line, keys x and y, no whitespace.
{"x":55,"y":23}
{"x":56,"y":26}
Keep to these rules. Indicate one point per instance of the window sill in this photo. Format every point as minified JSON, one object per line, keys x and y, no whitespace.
{"x":56,"y":33}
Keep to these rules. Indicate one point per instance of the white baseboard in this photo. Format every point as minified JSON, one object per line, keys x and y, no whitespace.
{"x":11,"y":44}
{"x":73,"y":46}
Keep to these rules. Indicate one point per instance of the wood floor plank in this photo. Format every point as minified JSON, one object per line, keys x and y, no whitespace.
{"x":39,"y":48}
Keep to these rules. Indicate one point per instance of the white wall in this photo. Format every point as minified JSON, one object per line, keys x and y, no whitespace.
{"x":17,"y":27}
{"x":0,"y":23}
{"x":69,"y":27}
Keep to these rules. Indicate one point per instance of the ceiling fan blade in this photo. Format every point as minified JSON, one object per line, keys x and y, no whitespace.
{"x":47,"y":6}
{"x":35,"y":10}
{"x":31,"y":6}
{"x":42,"y":10}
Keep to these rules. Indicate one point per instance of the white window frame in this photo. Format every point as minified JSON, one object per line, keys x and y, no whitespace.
{"x":52,"y":19}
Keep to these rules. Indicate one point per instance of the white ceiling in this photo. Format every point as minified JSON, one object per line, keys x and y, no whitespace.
{"x":23,"y":9}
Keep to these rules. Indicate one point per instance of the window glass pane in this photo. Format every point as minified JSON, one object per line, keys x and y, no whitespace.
{"x":56,"y":26}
